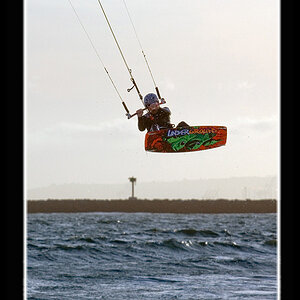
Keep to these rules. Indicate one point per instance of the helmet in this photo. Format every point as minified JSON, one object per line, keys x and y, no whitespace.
{"x":149,"y":99}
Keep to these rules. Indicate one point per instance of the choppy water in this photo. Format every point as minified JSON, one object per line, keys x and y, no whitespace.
{"x":151,"y":256}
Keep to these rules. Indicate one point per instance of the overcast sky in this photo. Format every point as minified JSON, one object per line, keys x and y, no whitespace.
{"x":216,"y":62}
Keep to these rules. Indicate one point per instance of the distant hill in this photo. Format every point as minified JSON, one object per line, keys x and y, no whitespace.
{"x":225,"y":188}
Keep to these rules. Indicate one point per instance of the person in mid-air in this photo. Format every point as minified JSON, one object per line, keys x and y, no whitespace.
{"x":157,"y":117}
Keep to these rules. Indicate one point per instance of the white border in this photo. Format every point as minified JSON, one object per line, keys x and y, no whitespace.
{"x":24,"y":153}
{"x":279,"y":155}
{"x":278,"y":196}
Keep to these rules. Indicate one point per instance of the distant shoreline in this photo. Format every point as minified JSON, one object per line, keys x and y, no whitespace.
{"x":152,"y":206}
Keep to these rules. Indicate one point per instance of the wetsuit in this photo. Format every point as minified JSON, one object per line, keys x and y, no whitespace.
{"x":157,"y":121}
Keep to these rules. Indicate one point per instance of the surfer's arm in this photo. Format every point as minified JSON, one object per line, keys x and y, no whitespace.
{"x":139,"y":112}
{"x":142,"y":123}
{"x":166,"y":110}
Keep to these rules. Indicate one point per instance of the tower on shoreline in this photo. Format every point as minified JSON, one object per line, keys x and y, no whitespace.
{"x":133,"y":181}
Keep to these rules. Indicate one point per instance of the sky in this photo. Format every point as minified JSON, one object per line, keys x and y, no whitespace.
{"x":216,"y":62}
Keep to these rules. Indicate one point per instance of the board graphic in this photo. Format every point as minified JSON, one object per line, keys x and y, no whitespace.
{"x":187,"y":139}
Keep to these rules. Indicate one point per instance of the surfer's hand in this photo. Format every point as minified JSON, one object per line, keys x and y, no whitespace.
{"x":139,"y":112}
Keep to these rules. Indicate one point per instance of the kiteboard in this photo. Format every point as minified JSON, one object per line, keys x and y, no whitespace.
{"x":185,"y":139}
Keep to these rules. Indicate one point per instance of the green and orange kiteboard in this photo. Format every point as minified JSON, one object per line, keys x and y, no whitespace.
{"x":187,"y":139}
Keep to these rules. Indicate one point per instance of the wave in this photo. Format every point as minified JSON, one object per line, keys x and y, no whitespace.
{"x":227,"y":244}
{"x":193,"y":232}
{"x":196,"y":240}
{"x":188,"y":245}
{"x":70,"y":247}
{"x":271,"y":243}
{"x":149,"y":256}
{"x":189,"y":232}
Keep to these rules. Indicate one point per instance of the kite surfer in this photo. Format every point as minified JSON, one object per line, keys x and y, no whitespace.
{"x":157,"y":117}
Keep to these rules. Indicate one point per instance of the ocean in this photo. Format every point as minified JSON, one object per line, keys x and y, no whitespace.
{"x":151,"y":256}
